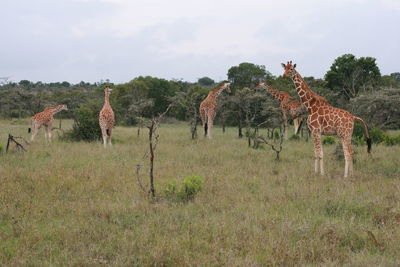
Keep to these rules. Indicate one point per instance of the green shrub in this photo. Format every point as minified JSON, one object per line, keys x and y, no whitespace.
{"x":358,"y":130}
{"x":391,"y":140}
{"x":359,"y":140}
{"x":294,"y":137}
{"x":191,"y":185}
{"x":171,"y":189}
{"x":277,"y":135}
{"x":328,"y":140}
{"x":86,"y":125}
{"x":376,"y":135}
{"x":123,"y":124}
{"x":1,"y":148}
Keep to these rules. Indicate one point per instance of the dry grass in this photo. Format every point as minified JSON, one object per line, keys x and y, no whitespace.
{"x":79,"y":204}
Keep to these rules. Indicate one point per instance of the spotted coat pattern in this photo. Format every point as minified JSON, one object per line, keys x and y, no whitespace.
{"x":326,"y":120}
{"x":208,"y":108}
{"x":106,"y":118}
{"x":288,"y":105}
{"x":45,"y":118}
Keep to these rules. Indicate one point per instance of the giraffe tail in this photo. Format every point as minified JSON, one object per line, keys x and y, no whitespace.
{"x":367,"y":138}
{"x":205,"y":128}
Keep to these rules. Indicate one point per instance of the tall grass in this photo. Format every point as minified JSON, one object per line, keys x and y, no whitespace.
{"x":79,"y":204}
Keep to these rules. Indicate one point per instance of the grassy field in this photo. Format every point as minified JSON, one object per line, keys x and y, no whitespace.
{"x":80,"y":204}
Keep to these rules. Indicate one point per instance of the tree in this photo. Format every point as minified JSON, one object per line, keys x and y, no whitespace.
{"x":380,"y":108}
{"x":242,"y":76}
{"x":396,"y":76}
{"x":159,"y":90}
{"x":130,"y":101}
{"x":247,"y":75}
{"x":205,"y":81}
{"x":348,"y":75}
{"x":188,"y":102}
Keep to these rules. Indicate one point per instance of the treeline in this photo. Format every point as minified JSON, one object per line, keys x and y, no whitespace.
{"x":355,"y":84}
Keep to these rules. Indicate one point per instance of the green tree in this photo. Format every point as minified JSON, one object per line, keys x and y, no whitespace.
{"x":396,"y":76}
{"x":205,"y":81}
{"x":349,"y":75}
{"x":379,"y":108}
{"x":159,"y":90}
{"x":247,"y":75}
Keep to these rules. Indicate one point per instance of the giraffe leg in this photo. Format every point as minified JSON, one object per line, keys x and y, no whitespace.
{"x":35,"y":130}
{"x":104,"y":134}
{"x":348,"y":156}
{"x":210,"y":121}
{"x":296,"y":125}
{"x":46,"y":132}
{"x":202,"y":116}
{"x":318,"y":153}
{"x":49,"y":127}
{"x":109,"y":136}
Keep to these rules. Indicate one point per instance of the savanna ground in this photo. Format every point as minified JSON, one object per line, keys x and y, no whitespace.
{"x":80,"y":204}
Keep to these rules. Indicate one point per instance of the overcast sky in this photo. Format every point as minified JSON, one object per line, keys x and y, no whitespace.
{"x":90,"y":40}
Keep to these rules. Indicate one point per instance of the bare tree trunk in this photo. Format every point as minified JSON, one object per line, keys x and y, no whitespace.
{"x":193,"y":128}
{"x":151,"y":129}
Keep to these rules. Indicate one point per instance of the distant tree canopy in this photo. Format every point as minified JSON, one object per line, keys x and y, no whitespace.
{"x":247,"y":75}
{"x":354,"y":84}
{"x":205,"y":81}
{"x":396,"y":76}
{"x":380,"y":108}
{"x":349,"y":75}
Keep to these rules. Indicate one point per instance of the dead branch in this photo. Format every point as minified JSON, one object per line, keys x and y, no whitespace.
{"x":261,"y":139}
{"x":153,"y":141}
{"x":19,"y":146}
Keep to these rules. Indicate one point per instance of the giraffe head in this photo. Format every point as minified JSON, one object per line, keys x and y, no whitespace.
{"x":107,"y":90}
{"x":289,"y":68}
{"x":63,"y":107}
{"x":226,"y":86}
{"x":262,"y":85}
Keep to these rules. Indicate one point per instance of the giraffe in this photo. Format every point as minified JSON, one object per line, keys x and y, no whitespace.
{"x":326,"y":120}
{"x":106,"y":118}
{"x":45,"y":118}
{"x":288,"y":105}
{"x":208,"y":108}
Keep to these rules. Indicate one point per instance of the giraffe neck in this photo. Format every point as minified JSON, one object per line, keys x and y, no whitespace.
{"x":215,"y":93}
{"x":304,"y":92}
{"x":274,"y":92}
{"x":107,"y":98}
{"x":218,"y":91}
{"x":57,"y":109}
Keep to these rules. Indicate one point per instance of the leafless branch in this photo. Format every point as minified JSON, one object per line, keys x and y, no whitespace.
{"x":19,"y":146}
{"x":277,"y":149}
{"x":153,"y":141}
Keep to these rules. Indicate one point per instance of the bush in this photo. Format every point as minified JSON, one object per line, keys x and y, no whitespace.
{"x":294,"y":137}
{"x":191,"y":185}
{"x":391,"y":140}
{"x":359,"y":130}
{"x":277,"y":134}
{"x":86,"y":125}
{"x":376,"y":135}
{"x":328,"y":140}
